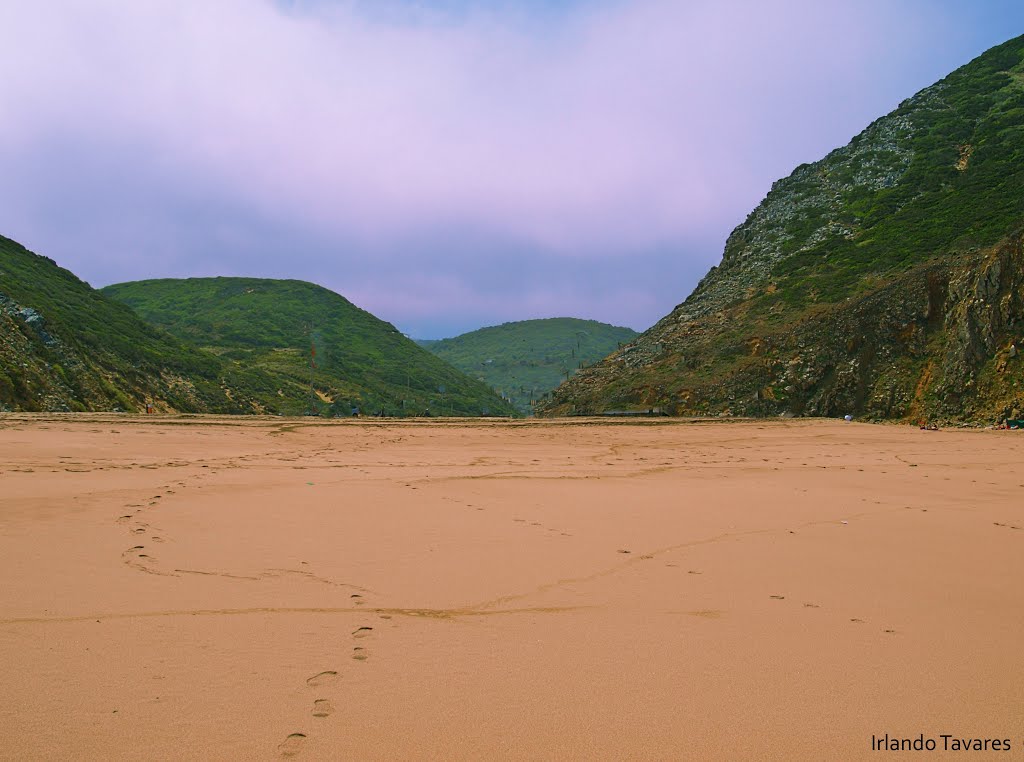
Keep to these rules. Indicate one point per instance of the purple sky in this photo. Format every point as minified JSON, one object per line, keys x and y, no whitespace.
{"x":445,"y":165}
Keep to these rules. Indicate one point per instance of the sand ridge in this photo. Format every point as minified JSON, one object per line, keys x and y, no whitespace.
{"x":263,"y":588}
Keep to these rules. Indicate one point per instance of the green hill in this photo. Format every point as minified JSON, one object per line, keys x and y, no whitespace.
{"x":883,"y":280}
{"x":360,"y":361}
{"x":527,"y":359}
{"x":66,"y":347}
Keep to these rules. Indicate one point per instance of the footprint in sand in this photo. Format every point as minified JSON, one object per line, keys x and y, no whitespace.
{"x":292,"y":745}
{"x":322,"y":678}
{"x":134,"y":558}
{"x":362,"y":632}
{"x":359,"y":654}
{"x":778,"y":597}
{"x":322,"y":708}
{"x":707,"y":613}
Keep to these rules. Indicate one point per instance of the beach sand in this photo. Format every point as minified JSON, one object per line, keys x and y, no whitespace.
{"x":228,"y":588}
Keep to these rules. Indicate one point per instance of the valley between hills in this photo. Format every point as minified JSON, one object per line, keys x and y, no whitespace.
{"x":884,"y":281}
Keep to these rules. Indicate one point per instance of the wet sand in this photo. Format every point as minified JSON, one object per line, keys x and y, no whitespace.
{"x":265,"y":588}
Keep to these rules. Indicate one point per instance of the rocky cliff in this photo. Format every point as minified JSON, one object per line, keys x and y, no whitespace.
{"x":883,"y":280}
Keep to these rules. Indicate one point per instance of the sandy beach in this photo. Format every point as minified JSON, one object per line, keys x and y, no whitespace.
{"x":227,"y":588}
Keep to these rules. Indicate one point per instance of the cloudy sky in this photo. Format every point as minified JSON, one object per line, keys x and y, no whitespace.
{"x":445,"y":164}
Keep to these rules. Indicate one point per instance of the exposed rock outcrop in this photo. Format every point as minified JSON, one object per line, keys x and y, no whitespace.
{"x":884,"y":280}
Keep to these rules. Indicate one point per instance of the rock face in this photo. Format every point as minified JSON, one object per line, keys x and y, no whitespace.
{"x":884,"y":280}
{"x":806,"y":209}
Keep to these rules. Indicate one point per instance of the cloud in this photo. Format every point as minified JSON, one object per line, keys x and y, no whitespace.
{"x":405,"y":150}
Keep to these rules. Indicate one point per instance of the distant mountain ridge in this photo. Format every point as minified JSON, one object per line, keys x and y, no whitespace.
{"x":525,"y":360}
{"x":271,"y":326}
{"x":884,"y":280}
{"x":66,"y":347}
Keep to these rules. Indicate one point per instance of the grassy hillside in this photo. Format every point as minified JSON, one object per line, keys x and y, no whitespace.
{"x":66,"y":346}
{"x":271,"y":326}
{"x":880,"y":280}
{"x":527,"y":359}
